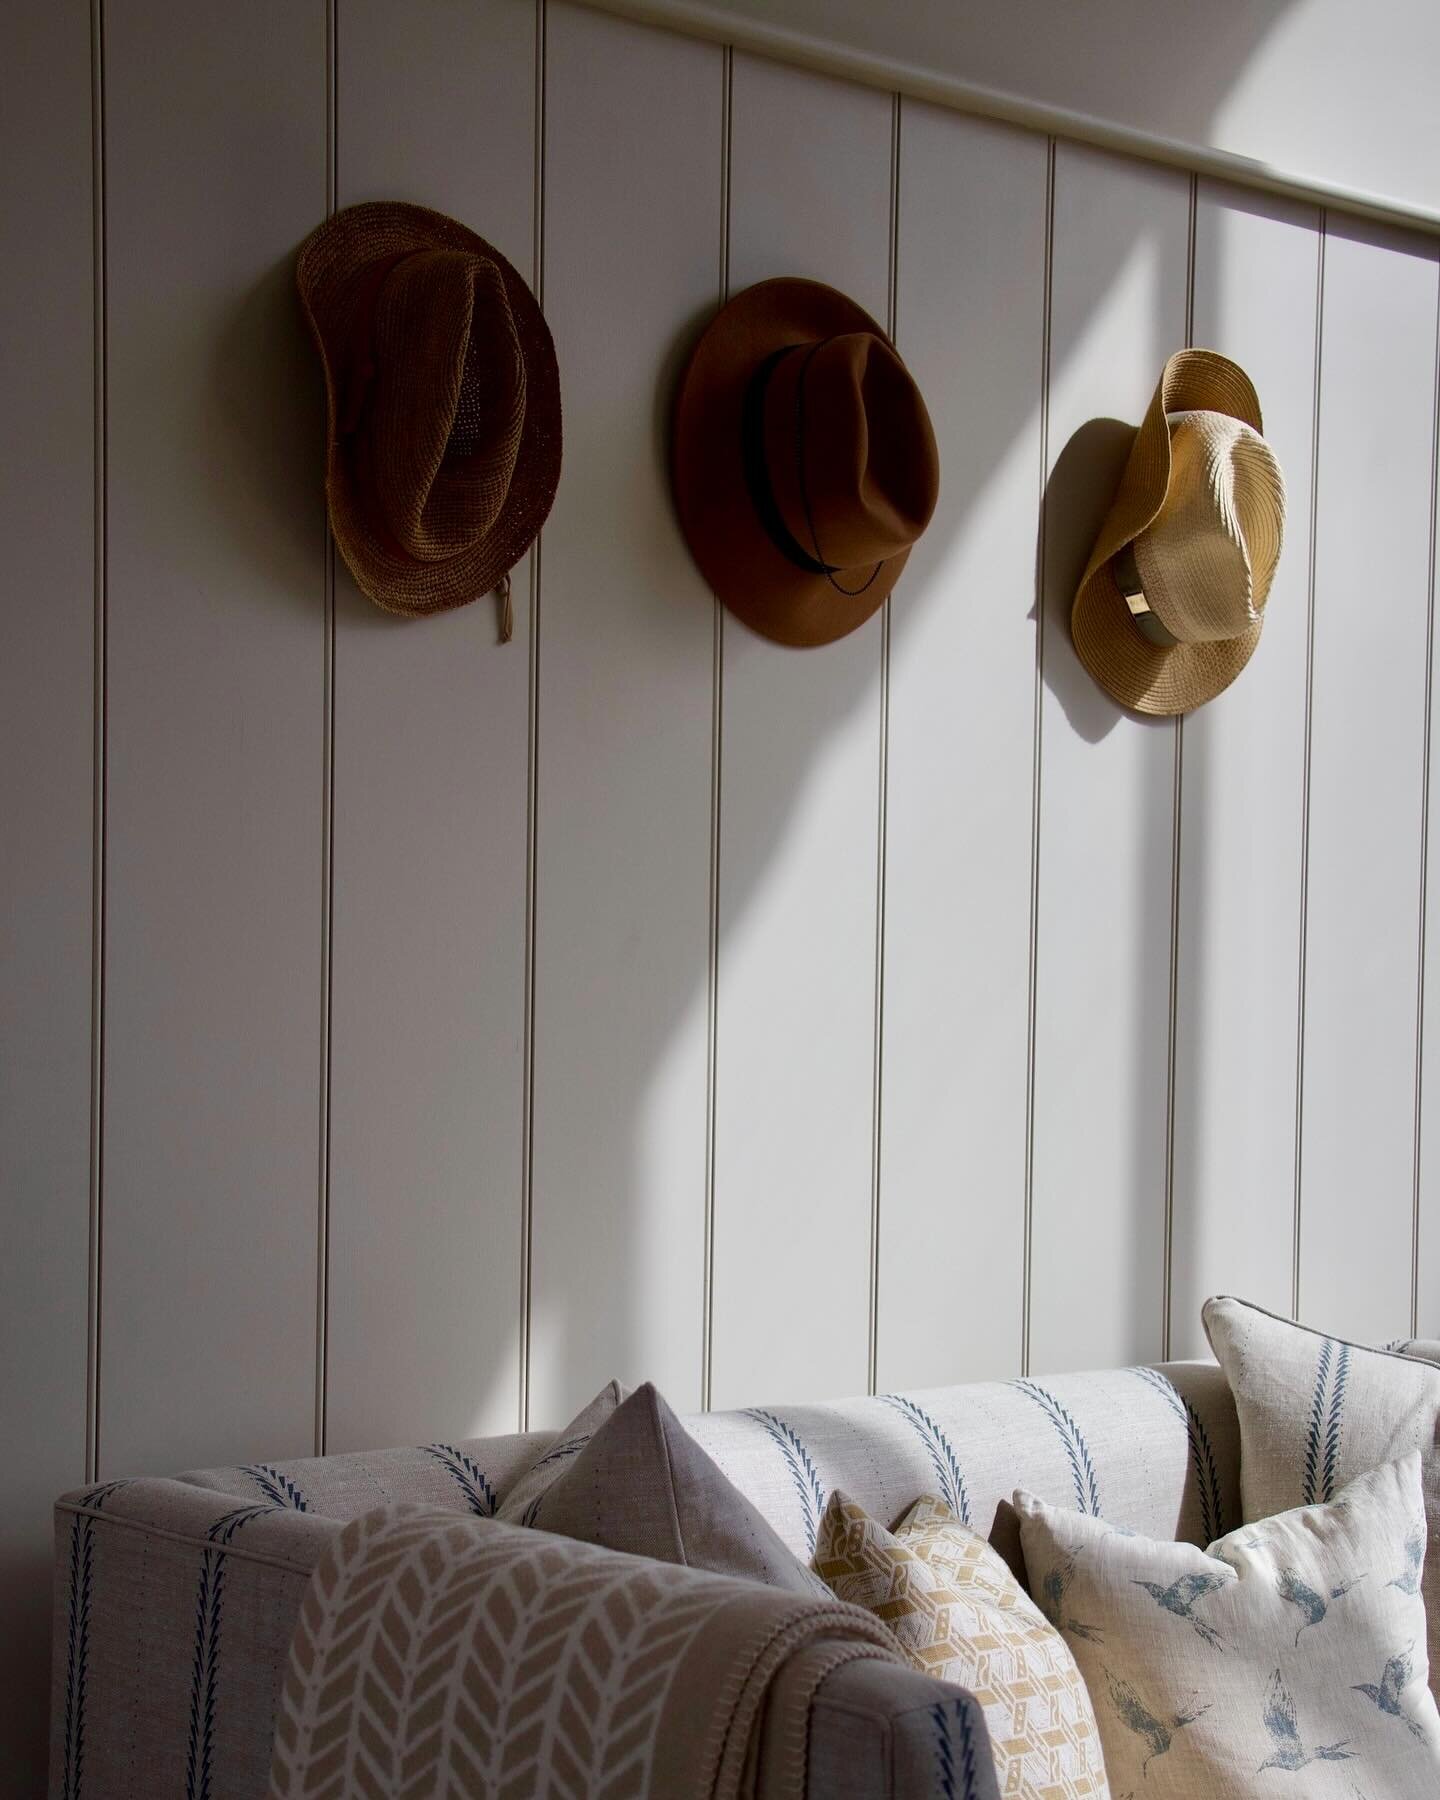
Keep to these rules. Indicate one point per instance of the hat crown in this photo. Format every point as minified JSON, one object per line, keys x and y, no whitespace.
{"x":1172,"y":602}
{"x":1207,"y":559}
{"x":445,"y":402}
{"x":443,"y":427}
{"x":849,"y":450}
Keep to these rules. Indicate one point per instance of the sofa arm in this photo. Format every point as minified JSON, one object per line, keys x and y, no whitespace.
{"x":173,"y":1613}
{"x":435,"y":1652}
{"x":174,"y":1610}
{"x":880,"y":1730}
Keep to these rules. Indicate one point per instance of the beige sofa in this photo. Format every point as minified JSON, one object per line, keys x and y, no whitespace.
{"x":175,"y":1598}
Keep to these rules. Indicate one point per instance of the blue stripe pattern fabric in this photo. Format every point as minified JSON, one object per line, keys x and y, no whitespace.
{"x":802,"y":1469}
{"x":1202,"y":1455}
{"x":277,"y":1488}
{"x":77,"y":1648}
{"x":1082,"y":1467}
{"x":954,"y":1749}
{"x":1326,"y":1422}
{"x":1335,"y":1422}
{"x":97,"y":1497}
{"x":942,"y":1454}
{"x":468,"y":1476}
{"x":77,"y":1653}
{"x":205,"y":1670}
{"x":562,"y":1452}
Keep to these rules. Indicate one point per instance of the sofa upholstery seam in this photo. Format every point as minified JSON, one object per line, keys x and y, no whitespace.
{"x":859,"y":1714}
{"x":159,"y":1533}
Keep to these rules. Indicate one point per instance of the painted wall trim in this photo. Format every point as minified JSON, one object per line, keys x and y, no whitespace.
{"x":697,"y":18}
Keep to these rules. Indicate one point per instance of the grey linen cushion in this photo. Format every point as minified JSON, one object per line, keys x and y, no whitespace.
{"x":640,"y":1483}
{"x":523,"y":1494}
{"x":1316,"y":1411}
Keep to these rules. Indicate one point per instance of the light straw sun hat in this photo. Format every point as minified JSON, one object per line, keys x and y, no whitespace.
{"x":443,"y":405}
{"x":1172,"y":602}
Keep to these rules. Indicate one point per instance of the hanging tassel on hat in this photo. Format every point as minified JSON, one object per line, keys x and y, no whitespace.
{"x":507,"y":609}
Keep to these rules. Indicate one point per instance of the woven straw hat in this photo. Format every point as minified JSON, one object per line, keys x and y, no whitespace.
{"x":1172,"y":602}
{"x":802,"y":459}
{"x":443,"y":448}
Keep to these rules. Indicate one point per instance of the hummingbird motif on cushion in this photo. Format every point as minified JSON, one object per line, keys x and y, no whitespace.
{"x":1280,"y":1721}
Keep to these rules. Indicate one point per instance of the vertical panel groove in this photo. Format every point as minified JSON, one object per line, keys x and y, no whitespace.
{"x":717,"y":717}
{"x":1176,"y":808}
{"x":882,"y":807}
{"x":327,"y":849}
{"x":800,"y":818}
{"x":1425,"y":834}
{"x":98,"y":757}
{"x":883,"y":781}
{"x":532,"y":798}
{"x":1167,"y":1274}
{"x":1038,"y":733}
{"x":1313,"y":523}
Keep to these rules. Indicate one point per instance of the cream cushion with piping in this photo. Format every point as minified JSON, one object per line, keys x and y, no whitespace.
{"x":1285,"y":1660}
{"x":1315,"y":1411}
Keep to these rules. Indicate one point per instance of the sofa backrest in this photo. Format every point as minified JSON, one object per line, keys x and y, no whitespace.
{"x":1151,"y":1450}
{"x":1154,"y":1450}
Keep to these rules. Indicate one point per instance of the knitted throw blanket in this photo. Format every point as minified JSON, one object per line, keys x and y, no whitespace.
{"x":438,"y":1654}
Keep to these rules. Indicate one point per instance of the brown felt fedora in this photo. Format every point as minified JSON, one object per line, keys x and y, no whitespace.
{"x":1172,"y":602}
{"x":443,"y":446}
{"x":802,"y":459}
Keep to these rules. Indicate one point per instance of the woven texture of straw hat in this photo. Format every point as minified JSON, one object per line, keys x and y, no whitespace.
{"x":1194,"y":533}
{"x":443,"y":404}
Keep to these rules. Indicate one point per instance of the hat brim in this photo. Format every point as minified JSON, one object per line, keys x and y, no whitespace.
{"x":333,"y":264}
{"x":1143,"y":676}
{"x":731,"y":547}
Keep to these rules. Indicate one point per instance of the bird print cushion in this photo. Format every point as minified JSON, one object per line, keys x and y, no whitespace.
{"x":960,"y":1615}
{"x":1316,"y":1411}
{"x":1287,"y":1659}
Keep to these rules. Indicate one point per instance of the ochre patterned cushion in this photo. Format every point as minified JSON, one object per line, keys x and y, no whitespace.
{"x":1316,"y":1411}
{"x":1287,"y":1660}
{"x":960,"y":1615}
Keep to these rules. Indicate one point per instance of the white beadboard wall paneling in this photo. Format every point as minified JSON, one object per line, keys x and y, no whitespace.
{"x":48,"y":698}
{"x":717,"y":726}
{"x":436,"y":105}
{"x":1293,"y":97}
{"x":327,"y":829}
{"x":1426,"y":1322}
{"x":810,"y":194}
{"x":1242,"y":810}
{"x":1375,"y":507}
{"x":1106,"y":827}
{"x":626,"y":678}
{"x":215,"y":169}
{"x":970,"y":324}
